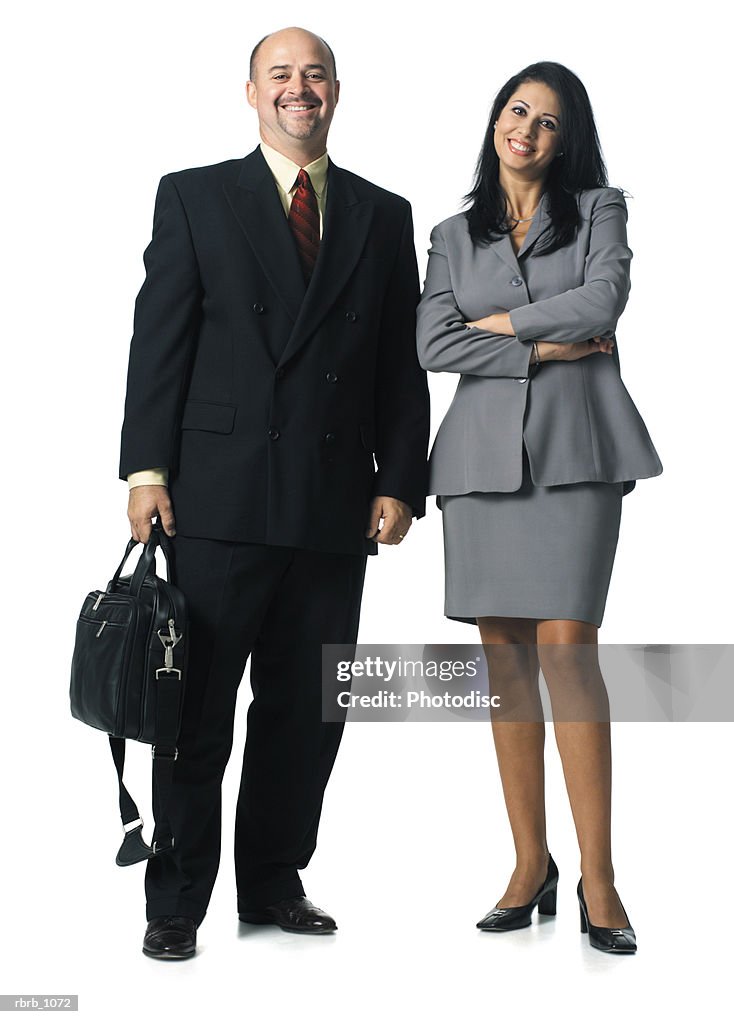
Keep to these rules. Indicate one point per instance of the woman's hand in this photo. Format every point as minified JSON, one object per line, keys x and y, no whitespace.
{"x":551,"y":350}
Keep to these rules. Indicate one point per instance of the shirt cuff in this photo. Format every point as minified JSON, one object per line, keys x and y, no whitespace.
{"x":158,"y":475}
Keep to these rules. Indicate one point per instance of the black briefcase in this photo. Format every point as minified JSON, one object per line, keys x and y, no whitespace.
{"x":128,"y":673}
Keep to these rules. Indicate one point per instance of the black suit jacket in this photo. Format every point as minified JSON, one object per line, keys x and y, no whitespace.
{"x":269,"y":402}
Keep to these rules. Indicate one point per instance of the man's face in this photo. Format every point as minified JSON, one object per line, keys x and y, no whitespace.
{"x":294,"y":90}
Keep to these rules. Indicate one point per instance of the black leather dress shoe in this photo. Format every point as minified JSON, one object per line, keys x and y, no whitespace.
{"x":296,"y":914}
{"x":507,"y":919}
{"x":170,"y":938}
{"x":608,"y":940}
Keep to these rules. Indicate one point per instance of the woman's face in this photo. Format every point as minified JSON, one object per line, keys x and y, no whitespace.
{"x":528,"y":132}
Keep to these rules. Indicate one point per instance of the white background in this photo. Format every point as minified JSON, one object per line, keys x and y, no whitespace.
{"x":102,"y":99}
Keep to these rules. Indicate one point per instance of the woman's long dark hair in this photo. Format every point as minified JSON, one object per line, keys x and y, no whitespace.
{"x":580,"y":167}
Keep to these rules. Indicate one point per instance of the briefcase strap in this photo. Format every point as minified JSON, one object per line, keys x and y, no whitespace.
{"x":146,"y":562}
{"x":164,"y":751}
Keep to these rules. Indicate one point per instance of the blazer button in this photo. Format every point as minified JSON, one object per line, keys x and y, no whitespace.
{"x":331,"y":377}
{"x":351,"y":317}
{"x":329,"y":438}
{"x":273,"y":434}
{"x":521,"y":380}
{"x":517,"y":281}
{"x":258,"y":308}
{"x":279,"y":373}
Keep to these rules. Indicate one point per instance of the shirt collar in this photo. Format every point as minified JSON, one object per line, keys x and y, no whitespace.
{"x":285,"y":171}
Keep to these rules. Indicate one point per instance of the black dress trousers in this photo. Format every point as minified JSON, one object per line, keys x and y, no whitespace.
{"x":276,"y":605}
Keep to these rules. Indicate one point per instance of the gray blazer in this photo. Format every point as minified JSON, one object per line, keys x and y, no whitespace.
{"x":577,"y":418}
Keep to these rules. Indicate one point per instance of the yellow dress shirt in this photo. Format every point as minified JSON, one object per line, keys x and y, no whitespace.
{"x":285,"y":172}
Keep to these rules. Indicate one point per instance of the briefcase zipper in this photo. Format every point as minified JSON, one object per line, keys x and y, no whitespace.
{"x":129,"y":634}
{"x":128,"y":601}
{"x":95,"y":622}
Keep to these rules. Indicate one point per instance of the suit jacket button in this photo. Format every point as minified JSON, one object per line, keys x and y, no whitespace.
{"x":351,"y":317}
{"x":258,"y":308}
{"x":517,"y":281}
{"x":273,"y":434}
{"x":331,"y":377}
{"x":521,"y":380}
{"x":329,"y":438}
{"x":279,"y":373}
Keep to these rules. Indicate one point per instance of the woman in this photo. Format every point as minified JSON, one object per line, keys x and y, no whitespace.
{"x":522,"y":296}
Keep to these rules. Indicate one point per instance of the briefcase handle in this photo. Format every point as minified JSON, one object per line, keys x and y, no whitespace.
{"x":146,"y":562}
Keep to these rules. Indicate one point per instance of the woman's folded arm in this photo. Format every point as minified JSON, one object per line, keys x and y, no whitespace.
{"x":444,"y":341}
{"x":595,"y":306}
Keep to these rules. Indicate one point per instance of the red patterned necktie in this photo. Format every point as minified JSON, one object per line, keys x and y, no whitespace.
{"x":304,"y":221}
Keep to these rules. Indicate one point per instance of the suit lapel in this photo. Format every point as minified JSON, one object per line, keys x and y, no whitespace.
{"x":256,"y":205}
{"x":503,"y":246}
{"x":346,"y":225}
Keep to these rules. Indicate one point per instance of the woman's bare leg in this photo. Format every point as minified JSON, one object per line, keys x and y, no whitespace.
{"x":581,"y":721}
{"x":513,"y":670}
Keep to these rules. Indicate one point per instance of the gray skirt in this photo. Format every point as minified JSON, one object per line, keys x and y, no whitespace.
{"x":538,"y":552}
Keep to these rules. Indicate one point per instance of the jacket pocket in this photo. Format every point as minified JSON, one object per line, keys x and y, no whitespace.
{"x":208,"y":416}
{"x":367,"y":433}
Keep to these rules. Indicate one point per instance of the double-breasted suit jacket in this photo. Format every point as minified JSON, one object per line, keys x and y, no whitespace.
{"x":269,"y":401}
{"x":577,"y":420}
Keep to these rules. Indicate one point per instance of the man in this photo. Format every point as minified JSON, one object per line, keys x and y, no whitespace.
{"x":272,"y":361}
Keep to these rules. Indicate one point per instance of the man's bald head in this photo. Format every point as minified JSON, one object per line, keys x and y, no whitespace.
{"x":294,"y":90}
{"x":256,"y":50}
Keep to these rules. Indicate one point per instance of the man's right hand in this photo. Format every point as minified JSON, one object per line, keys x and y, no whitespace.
{"x":549,"y":350}
{"x":146,"y":501}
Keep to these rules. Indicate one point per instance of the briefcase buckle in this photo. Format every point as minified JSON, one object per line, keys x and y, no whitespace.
{"x":154,"y":846}
{"x":153,"y":754}
{"x":169,"y":641}
{"x":168,"y":671}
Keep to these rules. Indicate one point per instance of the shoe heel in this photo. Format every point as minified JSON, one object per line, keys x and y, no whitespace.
{"x":547,"y":904}
{"x":584,"y":927}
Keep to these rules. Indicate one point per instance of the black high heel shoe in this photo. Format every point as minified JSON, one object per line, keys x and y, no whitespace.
{"x":608,"y":940}
{"x":507,"y":919}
